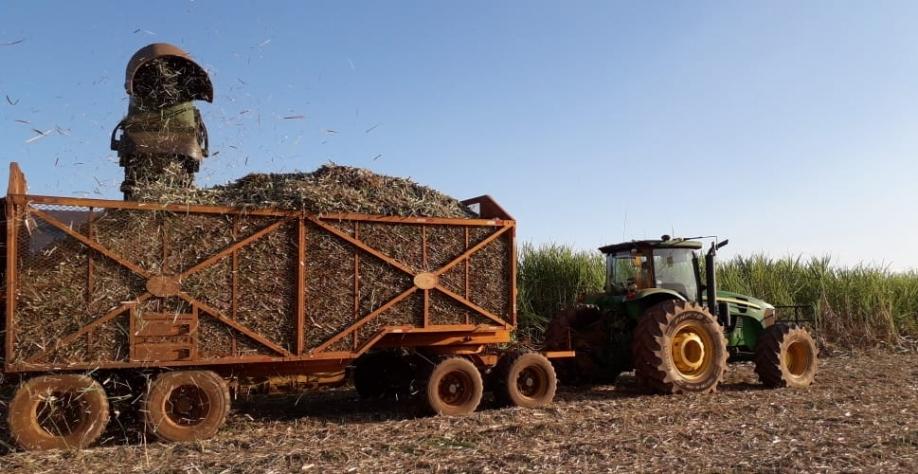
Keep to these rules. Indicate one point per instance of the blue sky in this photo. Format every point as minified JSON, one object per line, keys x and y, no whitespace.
{"x":789,"y":127}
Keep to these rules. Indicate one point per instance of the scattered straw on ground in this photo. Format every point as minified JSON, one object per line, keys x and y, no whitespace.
{"x":861,"y":416}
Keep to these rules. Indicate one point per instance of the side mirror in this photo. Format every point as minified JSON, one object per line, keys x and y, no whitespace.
{"x":116,"y":143}
{"x":722,"y":243}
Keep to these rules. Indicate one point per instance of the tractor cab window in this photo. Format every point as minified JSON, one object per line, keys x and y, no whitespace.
{"x":674,"y":271}
{"x":628,"y":271}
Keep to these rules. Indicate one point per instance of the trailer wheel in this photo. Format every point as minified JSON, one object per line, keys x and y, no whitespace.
{"x":454,"y":387}
{"x":525,"y":379}
{"x":186,"y":406}
{"x":786,"y":356}
{"x":679,"y":347}
{"x":58,"y":412}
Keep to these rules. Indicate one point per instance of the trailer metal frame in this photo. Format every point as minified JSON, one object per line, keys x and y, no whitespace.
{"x":468,"y":339}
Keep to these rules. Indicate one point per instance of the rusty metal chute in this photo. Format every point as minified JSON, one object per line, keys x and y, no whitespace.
{"x":199,"y":82}
{"x":163,"y":137}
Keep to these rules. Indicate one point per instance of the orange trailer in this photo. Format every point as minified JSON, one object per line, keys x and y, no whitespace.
{"x":205,"y":300}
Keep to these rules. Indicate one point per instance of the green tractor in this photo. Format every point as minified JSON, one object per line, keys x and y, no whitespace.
{"x":659,"y":316}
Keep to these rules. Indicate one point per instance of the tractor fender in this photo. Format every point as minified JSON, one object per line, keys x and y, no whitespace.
{"x":646,"y":298}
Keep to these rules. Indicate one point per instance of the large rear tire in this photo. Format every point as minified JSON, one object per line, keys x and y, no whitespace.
{"x":454,"y":387}
{"x":525,"y":379}
{"x":786,"y":356}
{"x":678,"y":347}
{"x":188,"y":405}
{"x":58,"y":412}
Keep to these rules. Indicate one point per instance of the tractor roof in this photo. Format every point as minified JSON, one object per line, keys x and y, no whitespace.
{"x":652,"y":244}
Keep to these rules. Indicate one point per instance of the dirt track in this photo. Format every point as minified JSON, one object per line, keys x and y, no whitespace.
{"x":861,"y":416}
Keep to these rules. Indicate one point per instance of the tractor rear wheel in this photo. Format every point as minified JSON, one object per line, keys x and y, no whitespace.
{"x":58,"y":412}
{"x":187,"y":405}
{"x":679,"y":347}
{"x":525,"y":379}
{"x":454,"y":387}
{"x":786,"y":356}
{"x":585,"y":331}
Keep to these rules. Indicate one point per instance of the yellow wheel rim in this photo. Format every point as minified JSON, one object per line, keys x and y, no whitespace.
{"x":692,"y":350}
{"x":797,"y":358}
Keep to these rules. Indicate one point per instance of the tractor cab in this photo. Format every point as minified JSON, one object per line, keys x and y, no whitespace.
{"x":669,"y":264}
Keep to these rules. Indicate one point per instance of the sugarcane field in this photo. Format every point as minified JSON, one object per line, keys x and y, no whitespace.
{"x":476,"y":237}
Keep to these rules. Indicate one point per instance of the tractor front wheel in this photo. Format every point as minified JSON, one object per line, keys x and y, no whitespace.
{"x":679,"y":347}
{"x":786,"y":356}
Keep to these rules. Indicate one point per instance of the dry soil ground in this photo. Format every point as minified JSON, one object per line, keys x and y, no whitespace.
{"x":861,"y":416}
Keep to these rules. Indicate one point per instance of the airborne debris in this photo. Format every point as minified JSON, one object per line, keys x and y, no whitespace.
{"x":40,"y":135}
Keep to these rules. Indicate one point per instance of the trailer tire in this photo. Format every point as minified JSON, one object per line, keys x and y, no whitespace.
{"x":58,"y":412}
{"x":525,"y":379}
{"x":187,"y":405}
{"x":679,"y":347}
{"x":454,"y":387}
{"x":786,"y":356}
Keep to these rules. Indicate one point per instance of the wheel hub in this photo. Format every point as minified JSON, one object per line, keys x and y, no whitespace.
{"x":453,"y":388}
{"x":528,"y":382}
{"x":187,"y":405}
{"x":797,"y":358}
{"x":689,"y":351}
{"x":61,"y":414}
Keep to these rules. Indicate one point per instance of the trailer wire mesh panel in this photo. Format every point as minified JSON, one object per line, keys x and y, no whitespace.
{"x":96,"y":283}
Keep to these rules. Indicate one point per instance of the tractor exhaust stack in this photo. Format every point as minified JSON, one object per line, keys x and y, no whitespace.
{"x":710,"y":277}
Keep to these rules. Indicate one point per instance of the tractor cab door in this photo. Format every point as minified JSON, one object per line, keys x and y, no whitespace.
{"x":674,"y":270}
{"x":628,"y":272}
